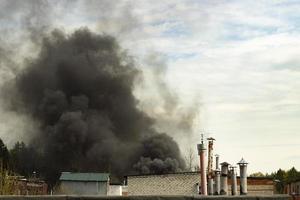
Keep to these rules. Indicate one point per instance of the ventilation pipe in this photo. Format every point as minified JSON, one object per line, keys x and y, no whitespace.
{"x":224,"y":174}
{"x":233,"y":181}
{"x":243,"y":176}
{"x":210,"y":166}
{"x":201,"y":153}
{"x":217,"y":176}
{"x":210,"y":186}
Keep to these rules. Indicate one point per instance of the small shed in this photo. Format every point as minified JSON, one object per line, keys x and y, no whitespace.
{"x":84,"y":183}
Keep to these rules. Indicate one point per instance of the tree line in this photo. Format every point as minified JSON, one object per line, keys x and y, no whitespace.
{"x":20,"y":160}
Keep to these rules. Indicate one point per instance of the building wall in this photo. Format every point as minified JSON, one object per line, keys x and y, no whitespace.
{"x":31,"y":188}
{"x":124,"y":190}
{"x":115,"y":190}
{"x":22,"y":186}
{"x":83,"y":187}
{"x":293,"y":188}
{"x":89,"y":197}
{"x":256,"y":186}
{"x":257,"y":189}
{"x":170,"y":184}
{"x":186,"y":184}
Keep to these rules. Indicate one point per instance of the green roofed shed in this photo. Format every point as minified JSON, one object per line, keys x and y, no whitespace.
{"x":72,"y":183}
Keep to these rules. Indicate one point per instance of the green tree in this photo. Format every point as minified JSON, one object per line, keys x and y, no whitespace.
{"x":292,"y":175}
{"x":280,"y":180}
{"x":190,"y":160}
{"x":24,"y":159}
{"x":257,"y":174}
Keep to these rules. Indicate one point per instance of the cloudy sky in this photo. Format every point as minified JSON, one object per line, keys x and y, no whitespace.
{"x":235,"y":63}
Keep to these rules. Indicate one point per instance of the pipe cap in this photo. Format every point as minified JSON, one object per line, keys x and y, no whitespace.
{"x":201,"y":147}
{"x":242,"y":162}
{"x":225,"y":164}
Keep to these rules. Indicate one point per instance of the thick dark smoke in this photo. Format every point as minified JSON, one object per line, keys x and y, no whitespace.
{"x":80,"y":90}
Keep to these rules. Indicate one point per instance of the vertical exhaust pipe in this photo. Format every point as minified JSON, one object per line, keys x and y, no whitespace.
{"x":201,"y":153}
{"x":233,"y":181}
{"x":217,"y":176}
{"x":217,"y":162}
{"x":243,"y":177}
{"x":210,"y":166}
{"x":224,"y":175}
{"x":210,"y":186}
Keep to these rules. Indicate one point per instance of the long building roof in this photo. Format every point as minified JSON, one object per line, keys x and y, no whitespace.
{"x":189,"y":172}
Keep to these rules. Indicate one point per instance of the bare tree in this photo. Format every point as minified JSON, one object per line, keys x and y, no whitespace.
{"x":190,"y":159}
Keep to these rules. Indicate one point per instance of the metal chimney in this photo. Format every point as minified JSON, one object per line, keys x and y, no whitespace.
{"x":210,"y":186}
{"x":210,"y":166}
{"x":224,"y":174}
{"x":210,"y":155}
{"x":201,"y":153}
{"x":217,"y":176}
{"x":243,"y":176}
{"x":217,"y":162}
{"x":233,"y":180}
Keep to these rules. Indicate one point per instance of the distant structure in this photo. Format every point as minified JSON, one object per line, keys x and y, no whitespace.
{"x":293,"y":188}
{"x":23,"y":186}
{"x":84,"y":183}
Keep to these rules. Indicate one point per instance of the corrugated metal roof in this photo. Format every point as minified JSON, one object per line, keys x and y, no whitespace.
{"x":72,"y":176}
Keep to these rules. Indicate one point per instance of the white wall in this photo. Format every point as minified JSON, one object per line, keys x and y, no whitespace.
{"x":115,"y":190}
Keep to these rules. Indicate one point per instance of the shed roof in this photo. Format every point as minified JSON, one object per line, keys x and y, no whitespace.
{"x":72,"y":176}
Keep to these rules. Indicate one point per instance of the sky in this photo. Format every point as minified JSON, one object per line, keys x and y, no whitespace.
{"x":236,"y":64}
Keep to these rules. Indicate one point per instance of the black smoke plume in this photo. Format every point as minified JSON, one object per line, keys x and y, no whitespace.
{"x":80,"y":91}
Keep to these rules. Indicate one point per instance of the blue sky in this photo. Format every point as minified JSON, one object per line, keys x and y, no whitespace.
{"x":236,"y":61}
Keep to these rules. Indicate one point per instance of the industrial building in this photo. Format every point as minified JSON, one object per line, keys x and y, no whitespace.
{"x":187,"y":183}
{"x":23,"y":186}
{"x":222,"y":180}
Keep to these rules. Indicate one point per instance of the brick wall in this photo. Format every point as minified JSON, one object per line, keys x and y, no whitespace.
{"x":185,"y":184}
{"x":89,"y":197}
{"x":170,"y":184}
